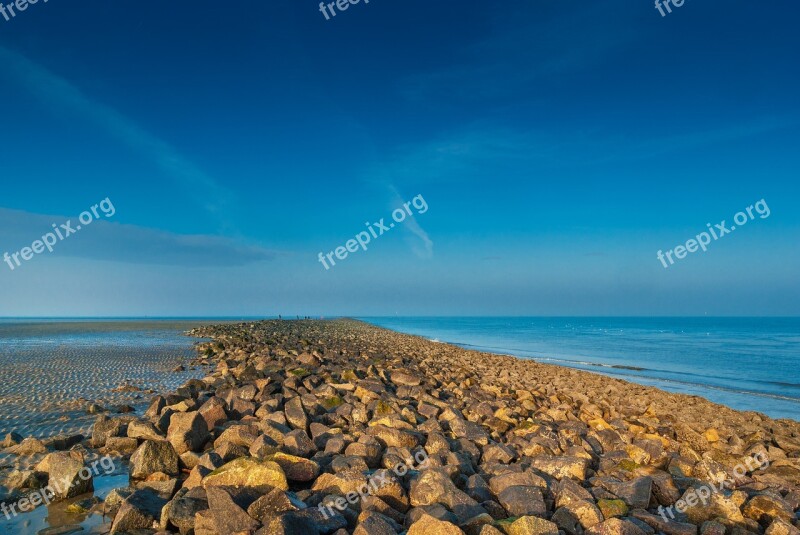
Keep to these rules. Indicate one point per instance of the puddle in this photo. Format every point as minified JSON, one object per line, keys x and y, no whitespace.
{"x":56,"y":515}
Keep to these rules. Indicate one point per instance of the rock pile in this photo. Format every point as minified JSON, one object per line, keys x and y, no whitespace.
{"x":298,"y":418}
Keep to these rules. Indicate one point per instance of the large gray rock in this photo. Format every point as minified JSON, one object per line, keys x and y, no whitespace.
{"x":615,"y":526}
{"x":767,"y":508}
{"x":562,"y":467}
{"x":105,"y":428}
{"x":247,"y":472}
{"x":271,"y":505}
{"x":184,"y":508}
{"x":293,"y":523}
{"x":154,"y":456}
{"x":228,"y":516}
{"x":141,"y":510}
{"x":67,"y":475}
{"x":434,"y":486}
{"x":299,"y":443}
{"x":295,"y":414}
{"x":187,"y":432}
{"x":520,"y":501}
{"x":213,"y":412}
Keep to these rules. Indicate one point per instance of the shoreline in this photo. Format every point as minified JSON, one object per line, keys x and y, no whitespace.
{"x":596,"y":374}
{"x":310,"y":408}
{"x":675,"y":355}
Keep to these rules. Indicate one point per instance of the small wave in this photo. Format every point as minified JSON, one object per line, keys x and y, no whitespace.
{"x":779,"y":383}
{"x":701,"y":386}
{"x":648,"y":374}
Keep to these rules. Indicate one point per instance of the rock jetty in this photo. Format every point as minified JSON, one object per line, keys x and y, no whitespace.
{"x":338,"y":427}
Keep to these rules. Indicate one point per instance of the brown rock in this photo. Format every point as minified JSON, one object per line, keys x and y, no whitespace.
{"x":296,"y":468}
{"x":530,"y":525}
{"x":765,"y":509}
{"x":561,"y":467}
{"x":428,"y":525}
{"x":187,"y":432}
{"x":247,"y":472}
{"x":140,"y":510}
{"x":154,"y":456}
{"x":228,"y":516}
{"x":434,"y":486}
{"x":615,"y":526}
{"x":519,"y":501}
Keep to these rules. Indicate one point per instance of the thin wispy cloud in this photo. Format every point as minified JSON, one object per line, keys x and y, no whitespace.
{"x":520,"y":52}
{"x":470,"y":154}
{"x":60,"y":94}
{"x":424,"y":247}
{"x":131,"y":244}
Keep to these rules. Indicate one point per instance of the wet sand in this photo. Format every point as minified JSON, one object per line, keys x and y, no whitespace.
{"x":50,"y":373}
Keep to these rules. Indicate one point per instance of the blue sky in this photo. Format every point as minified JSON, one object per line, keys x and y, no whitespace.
{"x":557,"y":147}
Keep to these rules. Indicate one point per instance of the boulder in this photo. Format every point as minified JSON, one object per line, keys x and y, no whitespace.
{"x":298,"y":443}
{"x":295,"y":414}
{"x":521,"y":500}
{"x":615,"y":526}
{"x":228,"y":516}
{"x":187,"y":431}
{"x":296,"y":468}
{"x":271,"y":505}
{"x":105,"y":428}
{"x":184,"y":508}
{"x":248,"y":472}
{"x":213,"y":412}
{"x":766,"y":508}
{"x":140,"y":510}
{"x":529,"y":525}
{"x":434,"y":486}
{"x":428,"y":525}
{"x":561,"y":467}
{"x":67,"y":475}
{"x":152,"y":457}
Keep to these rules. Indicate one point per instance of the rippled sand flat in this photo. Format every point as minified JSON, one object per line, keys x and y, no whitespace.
{"x":51,"y":372}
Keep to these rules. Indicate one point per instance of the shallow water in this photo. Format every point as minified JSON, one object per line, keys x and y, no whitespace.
{"x":745,"y":363}
{"x":57,"y":515}
{"x":51,"y":371}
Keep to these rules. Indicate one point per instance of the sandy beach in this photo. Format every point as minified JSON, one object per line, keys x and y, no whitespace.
{"x":52,"y":373}
{"x":321,"y":426}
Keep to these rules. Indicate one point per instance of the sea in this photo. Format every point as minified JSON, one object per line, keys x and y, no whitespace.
{"x":749,"y":364}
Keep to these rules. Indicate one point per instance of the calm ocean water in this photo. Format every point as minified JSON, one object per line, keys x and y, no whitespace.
{"x":745,"y":363}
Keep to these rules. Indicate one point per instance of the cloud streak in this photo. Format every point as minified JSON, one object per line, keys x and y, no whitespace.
{"x":61,"y":94}
{"x":106,"y":240}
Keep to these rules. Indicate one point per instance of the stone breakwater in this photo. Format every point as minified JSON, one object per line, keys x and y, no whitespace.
{"x":297,"y":416}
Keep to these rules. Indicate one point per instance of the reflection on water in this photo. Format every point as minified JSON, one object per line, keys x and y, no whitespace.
{"x":68,"y":513}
